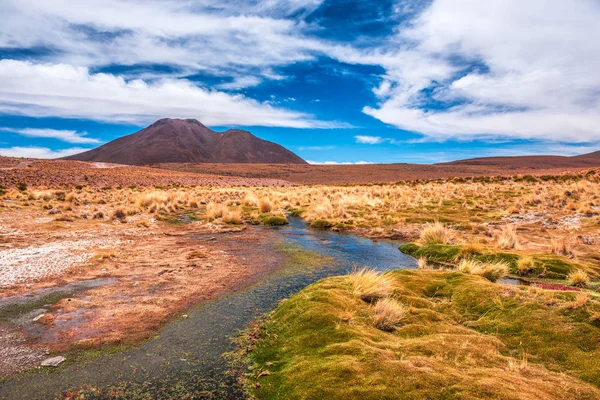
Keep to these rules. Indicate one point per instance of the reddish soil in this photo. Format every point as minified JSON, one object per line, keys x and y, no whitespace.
{"x":360,"y":174}
{"x":62,"y":173}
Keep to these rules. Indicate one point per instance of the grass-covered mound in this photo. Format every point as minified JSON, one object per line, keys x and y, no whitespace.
{"x":544,"y":265}
{"x":461,"y":337}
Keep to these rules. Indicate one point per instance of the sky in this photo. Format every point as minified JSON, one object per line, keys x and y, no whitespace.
{"x":335,"y":81}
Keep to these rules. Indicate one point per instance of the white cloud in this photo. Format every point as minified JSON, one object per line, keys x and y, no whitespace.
{"x":369,"y":139}
{"x":539,"y":76}
{"x":244,"y":38}
{"x":38,"y":152}
{"x":338,"y":162}
{"x":61,"y":90}
{"x":64,"y":135}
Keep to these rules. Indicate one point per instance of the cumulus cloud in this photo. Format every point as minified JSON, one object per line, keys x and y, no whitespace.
{"x":63,"y":135}
{"x":529,"y":71}
{"x":39,"y":152}
{"x":458,"y":69}
{"x":241,"y":38}
{"x":42,"y":90}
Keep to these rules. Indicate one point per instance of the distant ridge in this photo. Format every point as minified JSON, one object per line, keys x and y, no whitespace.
{"x":188,"y":141}
{"x":581,"y":161}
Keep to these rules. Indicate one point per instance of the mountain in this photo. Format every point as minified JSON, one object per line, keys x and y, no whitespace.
{"x":581,"y":161}
{"x":188,"y":141}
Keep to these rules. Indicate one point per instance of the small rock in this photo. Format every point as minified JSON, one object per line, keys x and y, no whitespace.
{"x":53,"y":362}
{"x":39,"y":317}
{"x":184,"y":316}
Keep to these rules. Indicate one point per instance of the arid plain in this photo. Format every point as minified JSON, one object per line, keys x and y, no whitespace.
{"x":98,"y":255}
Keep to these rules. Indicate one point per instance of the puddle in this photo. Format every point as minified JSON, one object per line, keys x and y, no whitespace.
{"x":15,"y":307}
{"x":185,"y":358}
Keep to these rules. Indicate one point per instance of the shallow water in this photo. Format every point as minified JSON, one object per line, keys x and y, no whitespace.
{"x":185,"y":358}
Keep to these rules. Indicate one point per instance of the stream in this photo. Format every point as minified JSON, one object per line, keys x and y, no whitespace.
{"x":185,"y":357}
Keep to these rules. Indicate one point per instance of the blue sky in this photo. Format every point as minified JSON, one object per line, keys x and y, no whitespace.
{"x":346,"y":81}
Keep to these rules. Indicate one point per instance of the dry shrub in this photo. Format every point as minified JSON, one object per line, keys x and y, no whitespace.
{"x":508,"y":238}
{"x":579,"y":278}
{"x":264,"y":205}
{"x":436,"y":233}
{"x":562,"y":246}
{"x":370,"y":285}
{"x":389,"y":314}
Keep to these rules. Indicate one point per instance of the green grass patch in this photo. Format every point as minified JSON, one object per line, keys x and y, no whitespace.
{"x":321,"y":224}
{"x":546,"y":265}
{"x":272,"y":220}
{"x":464,"y":338}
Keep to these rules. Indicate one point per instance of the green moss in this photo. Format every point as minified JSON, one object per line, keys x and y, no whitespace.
{"x":436,"y":253}
{"x":321,"y":224}
{"x":461,"y":331}
{"x":295,"y":212}
{"x":546,"y":266}
{"x":272,"y":220}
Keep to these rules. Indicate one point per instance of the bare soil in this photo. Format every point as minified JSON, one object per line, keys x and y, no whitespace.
{"x":370,"y":173}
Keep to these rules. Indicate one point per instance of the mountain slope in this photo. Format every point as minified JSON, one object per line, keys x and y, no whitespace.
{"x":178,"y":140}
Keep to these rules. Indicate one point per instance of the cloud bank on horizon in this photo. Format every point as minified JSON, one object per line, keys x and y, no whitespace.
{"x":354,"y":77}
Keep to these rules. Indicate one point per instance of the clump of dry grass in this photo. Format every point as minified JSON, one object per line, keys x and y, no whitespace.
{"x":120,"y":215}
{"x":149,"y":199}
{"x":562,"y":246}
{"x":233,"y":217}
{"x":508,"y":238}
{"x":580,"y":300}
{"x":106,"y":255}
{"x":469,"y":250}
{"x":194,"y":254}
{"x":250,"y":200}
{"x":579,"y":278}
{"x":264,"y":205}
{"x":370,"y":285}
{"x":436,"y":233}
{"x":525,"y":265}
{"x":422,"y":263}
{"x":214,"y":211}
{"x":389,"y":314}
{"x":492,"y":271}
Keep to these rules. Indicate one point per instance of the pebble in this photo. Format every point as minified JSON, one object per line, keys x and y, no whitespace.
{"x":53,"y":361}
